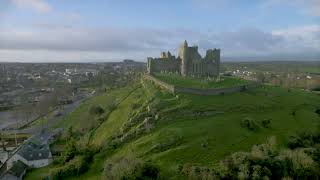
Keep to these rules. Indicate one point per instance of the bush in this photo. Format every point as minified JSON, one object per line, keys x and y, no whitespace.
{"x":266,"y":123}
{"x":298,"y":164}
{"x":315,"y":153}
{"x":303,"y":140}
{"x":111,"y":107}
{"x":97,"y":110}
{"x":70,"y":132}
{"x":196,"y":172}
{"x":70,"y":151}
{"x":135,"y":106}
{"x":130,"y":167}
{"x":269,"y":162}
{"x":249,"y":124}
{"x":75,"y":167}
{"x":145,"y":171}
{"x":265,"y":161}
{"x":88,"y":154}
{"x":120,"y":168}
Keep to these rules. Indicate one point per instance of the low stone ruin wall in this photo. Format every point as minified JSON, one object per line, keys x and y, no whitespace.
{"x":215,"y":91}
{"x":169,"y":87}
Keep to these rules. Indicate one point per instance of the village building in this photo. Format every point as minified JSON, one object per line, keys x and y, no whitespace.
{"x":32,"y":154}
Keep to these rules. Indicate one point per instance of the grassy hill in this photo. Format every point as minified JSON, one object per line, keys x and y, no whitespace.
{"x":172,"y":130}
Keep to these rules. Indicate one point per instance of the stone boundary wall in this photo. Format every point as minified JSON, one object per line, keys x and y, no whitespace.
{"x":160,"y":83}
{"x":215,"y":91}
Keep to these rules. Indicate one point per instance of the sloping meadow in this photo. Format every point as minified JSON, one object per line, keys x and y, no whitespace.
{"x":169,"y":130}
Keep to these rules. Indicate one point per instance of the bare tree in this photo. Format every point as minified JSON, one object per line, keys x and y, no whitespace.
{"x":17,"y":116}
{"x":27,"y":110}
{"x":63,"y":93}
{"x":2,"y":142}
{"x":261,"y":77}
{"x":45,"y":105}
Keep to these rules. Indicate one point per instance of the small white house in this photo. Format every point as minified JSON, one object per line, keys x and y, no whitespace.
{"x":33,"y":155}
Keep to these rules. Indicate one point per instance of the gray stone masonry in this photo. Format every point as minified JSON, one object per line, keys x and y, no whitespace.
{"x":189,"y":62}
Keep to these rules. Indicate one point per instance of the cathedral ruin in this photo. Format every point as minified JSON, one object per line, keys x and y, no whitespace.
{"x":189,"y":62}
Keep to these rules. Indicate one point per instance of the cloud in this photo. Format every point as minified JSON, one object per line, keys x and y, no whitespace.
{"x":210,"y":4}
{"x":65,"y":56}
{"x":296,"y":43}
{"x":4,"y":8}
{"x":37,"y":5}
{"x":90,"y":39}
{"x":109,"y":42}
{"x":249,"y":38}
{"x":306,"y":35}
{"x":300,"y":40}
{"x":71,"y":16}
{"x":311,"y":7}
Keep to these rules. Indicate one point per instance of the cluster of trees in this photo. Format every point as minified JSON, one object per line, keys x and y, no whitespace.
{"x":130,"y":168}
{"x":47,"y":102}
{"x":101,"y":113}
{"x":75,"y":159}
{"x":110,"y":78}
{"x":301,"y":160}
{"x":2,"y":142}
{"x":96,"y":110}
{"x":254,"y":125}
{"x":74,"y":167}
{"x":288,"y":80}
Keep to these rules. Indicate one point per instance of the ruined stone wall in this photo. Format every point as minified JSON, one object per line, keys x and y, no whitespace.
{"x":189,"y":62}
{"x":160,"y":83}
{"x":157,"y":65}
{"x":213,"y":59}
{"x":215,"y":91}
{"x":196,"y":65}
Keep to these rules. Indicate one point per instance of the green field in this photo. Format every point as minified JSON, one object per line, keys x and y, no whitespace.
{"x":197,"y":82}
{"x":274,"y":66}
{"x":190,"y":121}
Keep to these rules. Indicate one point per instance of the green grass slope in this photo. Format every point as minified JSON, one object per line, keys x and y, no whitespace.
{"x":117,"y":117}
{"x":177,"y":129}
{"x":82,"y":120}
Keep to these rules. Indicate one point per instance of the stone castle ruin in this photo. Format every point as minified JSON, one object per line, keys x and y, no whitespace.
{"x":188,"y":63}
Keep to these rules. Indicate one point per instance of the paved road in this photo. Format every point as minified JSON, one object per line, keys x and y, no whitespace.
{"x":51,"y":119}
{"x":8,"y":119}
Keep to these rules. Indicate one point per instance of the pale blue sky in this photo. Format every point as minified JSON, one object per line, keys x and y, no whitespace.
{"x":98,"y":30}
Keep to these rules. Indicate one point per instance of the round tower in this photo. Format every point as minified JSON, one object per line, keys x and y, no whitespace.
{"x":183,"y":54}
